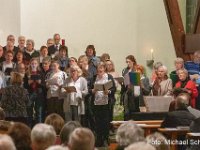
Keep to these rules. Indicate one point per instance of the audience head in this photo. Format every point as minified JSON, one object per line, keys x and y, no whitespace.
{"x":197,"y":56}
{"x":140,"y":146}
{"x":179,"y":63}
{"x":1,"y":51}
{"x":43,"y":51}
{"x":21,"y":135}
{"x":90,"y":51}
{"x":57,"y":147}
{"x":5,"y":126}
{"x":182,"y":74}
{"x":162,"y":72}
{"x":21,"y":41}
{"x":82,"y":137}
{"x":182,"y":101}
{"x":56,"y":38}
{"x":158,"y":141}
{"x":11,"y":38}
{"x":56,"y":121}
{"x":2,"y":114}
{"x":131,"y":61}
{"x":128,"y":133}
{"x":67,"y":129}
{"x":105,"y":57}
{"x":50,"y":42}
{"x":30,"y":45}
{"x":42,"y":136}
{"x":63,"y":51}
{"x":16,"y":79}
{"x":6,"y":143}
{"x":110,"y":67}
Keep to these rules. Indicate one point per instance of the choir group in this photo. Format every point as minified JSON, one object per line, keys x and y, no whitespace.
{"x":35,"y":84}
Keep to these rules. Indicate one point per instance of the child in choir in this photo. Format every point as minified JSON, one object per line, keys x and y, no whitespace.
{"x":33,"y":84}
{"x":74,"y":106}
{"x":63,"y":58}
{"x":54,"y":81}
{"x":8,"y":66}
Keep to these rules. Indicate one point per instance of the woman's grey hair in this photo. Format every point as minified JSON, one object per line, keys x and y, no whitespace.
{"x":78,"y":69}
{"x":6,"y":143}
{"x":179,"y":60}
{"x":128,"y":133}
{"x":31,"y":41}
{"x":158,"y":141}
{"x":57,"y":147}
{"x":43,"y":135}
{"x":140,"y":146}
{"x":164,"y":68}
{"x":157,"y":65}
{"x":182,"y":71}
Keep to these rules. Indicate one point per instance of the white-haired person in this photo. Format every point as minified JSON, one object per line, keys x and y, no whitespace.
{"x":179,"y":64}
{"x":6,"y":142}
{"x":158,"y":141}
{"x":30,"y":52}
{"x":74,"y":106}
{"x":162,"y":85}
{"x":82,"y":138}
{"x":42,"y":136}
{"x":129,"y":133}
{"x":140,"y":146}
{"x":187,"y":86}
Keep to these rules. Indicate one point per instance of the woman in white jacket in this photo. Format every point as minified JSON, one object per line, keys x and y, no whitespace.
{"x":74,"y":91}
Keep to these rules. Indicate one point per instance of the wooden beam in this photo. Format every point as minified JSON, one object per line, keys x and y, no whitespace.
{"x":196,"y":24}
{"x":176,"y":27}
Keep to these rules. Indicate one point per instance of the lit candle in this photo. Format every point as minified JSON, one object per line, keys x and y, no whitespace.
{"x":152,"y":54}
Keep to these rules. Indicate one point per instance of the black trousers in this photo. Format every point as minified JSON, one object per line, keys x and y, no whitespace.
{"x":55,"y":105}
{"x":101,"y":123}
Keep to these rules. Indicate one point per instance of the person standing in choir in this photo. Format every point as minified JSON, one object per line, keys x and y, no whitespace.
{"x":74,"y":106}
{"x":128,"y":99}
{"x":33,"y":84}
{"x":54,"y":81}
{"x":91,"y":54}
{"x":101,"y":105}
{"x":62,"y":58}
{"x":53,"y":49}
{"x":89,"y":71}
{"x":30,"y":52}
{"x":162,"y":85}
{"x":43,"y":54}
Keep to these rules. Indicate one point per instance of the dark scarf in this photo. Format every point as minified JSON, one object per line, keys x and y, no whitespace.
{"x":183,"y":83}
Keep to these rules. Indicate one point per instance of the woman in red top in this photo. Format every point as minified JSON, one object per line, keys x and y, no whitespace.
{"x":187,"y":85}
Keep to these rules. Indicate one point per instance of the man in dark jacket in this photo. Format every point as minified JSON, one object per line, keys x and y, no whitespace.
{"x":181,"y":116}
